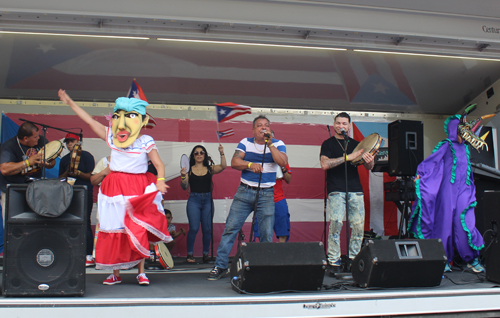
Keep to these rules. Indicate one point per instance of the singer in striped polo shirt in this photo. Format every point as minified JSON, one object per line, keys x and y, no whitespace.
{"x":255,"y":178}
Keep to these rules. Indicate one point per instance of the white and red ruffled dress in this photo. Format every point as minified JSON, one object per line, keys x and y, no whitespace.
{"x":130,"y":211}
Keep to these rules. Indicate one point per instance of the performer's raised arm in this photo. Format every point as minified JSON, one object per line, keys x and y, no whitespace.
{"x":96,"y":126}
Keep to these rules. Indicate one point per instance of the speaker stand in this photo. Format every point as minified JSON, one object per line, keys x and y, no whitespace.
{"x":405,"y":209}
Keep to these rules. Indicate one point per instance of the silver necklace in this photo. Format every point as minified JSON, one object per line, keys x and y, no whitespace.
{"x":261,"y":151}
{"x":19,"y":144}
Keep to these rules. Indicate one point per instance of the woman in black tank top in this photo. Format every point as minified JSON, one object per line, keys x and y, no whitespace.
{"x":199,"y":208}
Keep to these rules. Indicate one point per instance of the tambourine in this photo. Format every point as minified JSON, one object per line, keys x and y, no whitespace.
{"x":50,"y":152}
{"x":185,"y":162}
{"x":76,"y":153}
{"x":163,"y":256}
{"x":370,"y":144}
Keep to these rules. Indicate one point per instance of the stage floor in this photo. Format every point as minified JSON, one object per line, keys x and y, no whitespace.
{"x":185,"y":291}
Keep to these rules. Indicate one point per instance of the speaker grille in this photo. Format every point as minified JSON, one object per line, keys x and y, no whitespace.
{"x":44,"y":256}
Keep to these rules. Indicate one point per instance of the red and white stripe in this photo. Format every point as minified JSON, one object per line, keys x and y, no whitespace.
{"x":305,"y":193}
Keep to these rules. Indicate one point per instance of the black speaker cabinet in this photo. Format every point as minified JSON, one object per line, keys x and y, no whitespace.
{"x":399,"y":263}
{"x":42,"y":255}
{"x":491,"y":220}
{"x":406,"y":147}
{"x":268,"y":267}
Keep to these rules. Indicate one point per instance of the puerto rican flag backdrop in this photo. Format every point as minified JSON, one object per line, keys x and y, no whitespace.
{"x":305,"y":193}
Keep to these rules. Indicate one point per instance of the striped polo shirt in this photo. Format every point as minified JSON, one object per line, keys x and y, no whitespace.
{"x":253,"y":153}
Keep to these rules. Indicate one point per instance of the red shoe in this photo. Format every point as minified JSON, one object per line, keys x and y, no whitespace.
{"x":112,"y":279}
{"x":89,"y":261}
{"x":142,"y":279}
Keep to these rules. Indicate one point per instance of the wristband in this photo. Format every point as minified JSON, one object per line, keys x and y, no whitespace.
{"x":249,"y":164}
{"x":221,"y":154}
{"x":27,"y":162}
{"x":183,"y":178}
{"x":160,"y":179}
{"x":79,"y":172}
{"x":271,"y":145}
{"x":346,"y":158}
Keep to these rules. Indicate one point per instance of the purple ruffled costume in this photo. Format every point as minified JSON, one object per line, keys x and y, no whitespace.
{"x":446,"y":197}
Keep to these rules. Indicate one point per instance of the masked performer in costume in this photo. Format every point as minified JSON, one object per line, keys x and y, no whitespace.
{"x":446,"y":194}
{"x":129,"y":201}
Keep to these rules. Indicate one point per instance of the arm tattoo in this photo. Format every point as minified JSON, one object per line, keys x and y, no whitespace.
{"x":237,"y":153}
{"x":332,"y":163}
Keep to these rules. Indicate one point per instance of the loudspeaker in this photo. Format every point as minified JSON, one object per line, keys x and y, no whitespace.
{"x":399,"y":263}
{"x":406,"y":147}
{"x":44,"y":256}
{"x":268,"y":267}
{"x":491,"y":220}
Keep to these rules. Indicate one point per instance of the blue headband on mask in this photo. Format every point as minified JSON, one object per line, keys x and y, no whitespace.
{"x":131,"y":104}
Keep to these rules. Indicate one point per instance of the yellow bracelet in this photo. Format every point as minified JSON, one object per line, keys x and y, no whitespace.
{"x":79,"y":172}
{"x":27,"y":162}
{"x":346,"y":158}
{"x":160,"y":179}
{"x":271,"y":145}
{"x":183,"y":178}
{"x":249,"y":164}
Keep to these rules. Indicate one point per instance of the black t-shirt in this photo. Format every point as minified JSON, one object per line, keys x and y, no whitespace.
{"x":12,"y":151}
{"x":332,"y":148}
{"x":86,"y":164}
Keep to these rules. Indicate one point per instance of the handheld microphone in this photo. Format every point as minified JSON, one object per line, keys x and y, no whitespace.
{"x":267,"y":135}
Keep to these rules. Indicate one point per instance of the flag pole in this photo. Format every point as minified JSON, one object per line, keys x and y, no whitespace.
{"x":217,"y":119}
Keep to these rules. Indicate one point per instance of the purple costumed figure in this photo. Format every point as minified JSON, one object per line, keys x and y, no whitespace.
{"x":446,"y":194}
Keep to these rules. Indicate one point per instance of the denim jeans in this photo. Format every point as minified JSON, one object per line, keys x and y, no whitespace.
{"x":243,"y":204}
{"x":336,"y":212}
{"x":199,"y":211}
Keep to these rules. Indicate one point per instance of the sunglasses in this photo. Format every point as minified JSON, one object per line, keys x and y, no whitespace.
{"x":199,"y":153}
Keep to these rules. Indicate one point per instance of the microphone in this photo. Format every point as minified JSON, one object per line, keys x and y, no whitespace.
{"x":267,"y":135}
{"x":343,"y":133}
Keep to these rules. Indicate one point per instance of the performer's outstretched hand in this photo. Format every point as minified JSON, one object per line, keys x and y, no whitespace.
{"x":64,"y":97}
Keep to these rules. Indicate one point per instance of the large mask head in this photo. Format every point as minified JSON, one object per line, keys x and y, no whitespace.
{"x":128,"y":118}
{"x":469,"y":131}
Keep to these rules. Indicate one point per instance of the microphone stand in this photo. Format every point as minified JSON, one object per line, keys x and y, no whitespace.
{"x":347,"y":227}
{"x":44,"y":128}
{"x":325,"y":201}
{"x":258,"y":191}
{"x":212,"y":212}
{"x":241,"y":235}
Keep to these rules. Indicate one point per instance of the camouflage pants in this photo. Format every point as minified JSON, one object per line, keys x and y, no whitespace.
{"x":336,"y":213}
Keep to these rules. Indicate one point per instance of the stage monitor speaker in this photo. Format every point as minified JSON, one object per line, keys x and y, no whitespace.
{"x":491,"y":209}
{"x":399,"y":263}
{"x":44,"y":256}
{"x":268,"y":267}
{"x":406,"y":147}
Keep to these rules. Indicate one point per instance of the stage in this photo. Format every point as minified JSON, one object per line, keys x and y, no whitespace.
{"x":184,"y":291}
